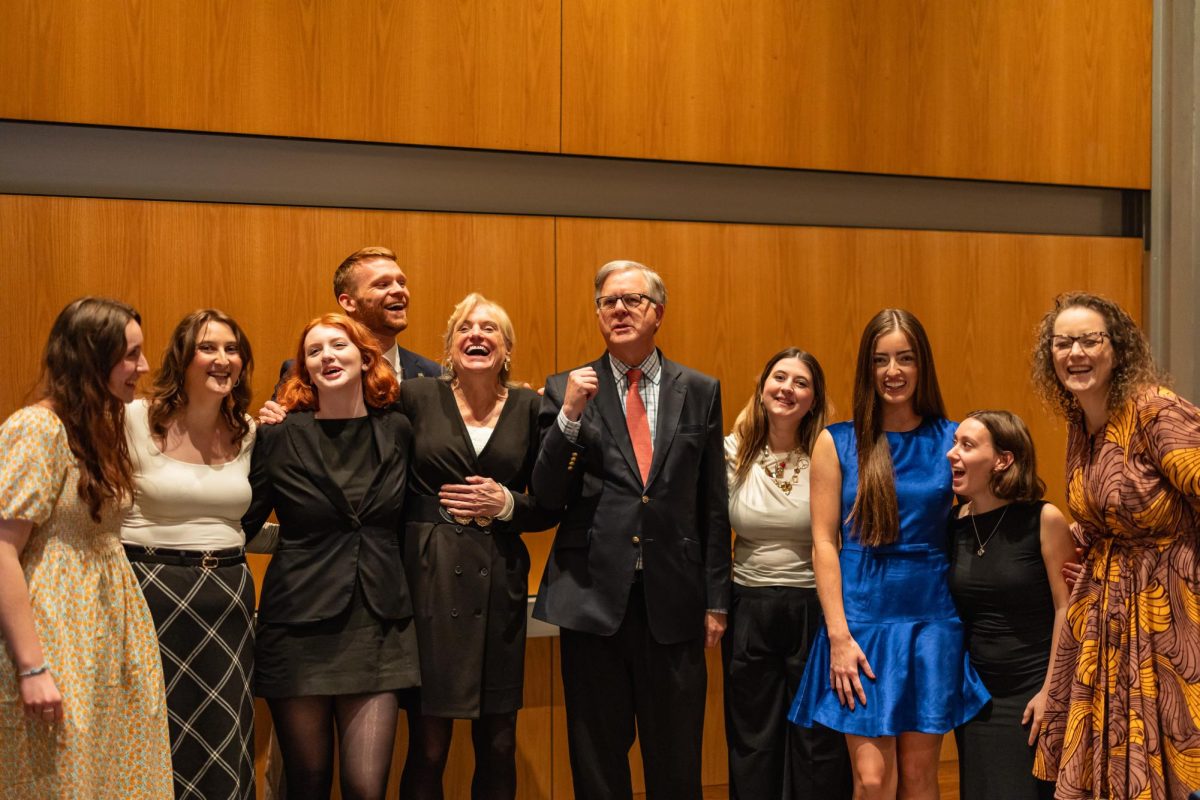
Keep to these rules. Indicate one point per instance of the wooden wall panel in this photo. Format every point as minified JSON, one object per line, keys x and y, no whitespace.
{"x":1024,"y":90}
{"x":472,"y":73}
{"x":739,"y":293}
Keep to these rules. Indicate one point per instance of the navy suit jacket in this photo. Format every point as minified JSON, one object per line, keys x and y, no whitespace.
{"x":679,"y":519}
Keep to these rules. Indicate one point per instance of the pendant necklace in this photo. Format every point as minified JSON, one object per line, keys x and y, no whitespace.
{"x":983,"y":543}
{"x":777,"y":472}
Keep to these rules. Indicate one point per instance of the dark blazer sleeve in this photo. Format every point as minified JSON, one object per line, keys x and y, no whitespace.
{"x":557,"y":472}
{"x":262,"y":501}
{"x":529,"y":512}
{"x":714,"y":515}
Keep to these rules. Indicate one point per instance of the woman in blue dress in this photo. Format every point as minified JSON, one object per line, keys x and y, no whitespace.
{"x":888,"y":669}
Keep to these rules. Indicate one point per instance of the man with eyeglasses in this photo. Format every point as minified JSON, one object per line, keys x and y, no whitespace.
{"x":638,"y":576}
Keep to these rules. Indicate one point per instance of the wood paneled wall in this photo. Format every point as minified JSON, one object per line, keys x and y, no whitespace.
{"x":1024,"y":90}
{"x":737,"y":294}
{"x":468,"y":73}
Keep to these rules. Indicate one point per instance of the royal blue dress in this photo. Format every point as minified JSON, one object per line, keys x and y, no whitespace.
{"x":898,"y":604}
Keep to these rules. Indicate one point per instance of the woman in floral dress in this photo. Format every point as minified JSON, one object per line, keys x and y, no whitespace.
{"x":82,"y":705}
{"x":1123,"y":713}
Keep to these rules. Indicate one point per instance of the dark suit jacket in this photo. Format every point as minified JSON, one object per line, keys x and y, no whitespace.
{"x":324,"y":544}
{"x":412,"y":365}
{"x":680,"y":517}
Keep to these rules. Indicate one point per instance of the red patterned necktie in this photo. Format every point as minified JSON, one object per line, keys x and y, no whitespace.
{"x":639,"y":424}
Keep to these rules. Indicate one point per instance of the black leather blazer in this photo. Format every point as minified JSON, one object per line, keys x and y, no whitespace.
{"x":324,"y":544}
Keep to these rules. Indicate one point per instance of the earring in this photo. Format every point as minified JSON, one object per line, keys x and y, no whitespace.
{"x":238,"y":382}
{"x":507,"y":363}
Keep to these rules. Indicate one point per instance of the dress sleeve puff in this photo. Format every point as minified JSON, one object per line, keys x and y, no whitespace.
{"x":1172,"y":427}
{"x":33,"y":461}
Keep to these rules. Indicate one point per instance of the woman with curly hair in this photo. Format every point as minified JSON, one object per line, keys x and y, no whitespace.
{"x":1124,"y":701}
{"x":334,"y":639}
{"x":81,"y":685}
{"x":190,"y":442}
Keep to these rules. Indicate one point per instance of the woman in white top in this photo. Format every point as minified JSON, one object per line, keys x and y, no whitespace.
{"x":190,"y":443}
{"x":775,"y":613}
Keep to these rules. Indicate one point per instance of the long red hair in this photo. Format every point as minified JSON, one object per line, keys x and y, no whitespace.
{"x":380,"y":388}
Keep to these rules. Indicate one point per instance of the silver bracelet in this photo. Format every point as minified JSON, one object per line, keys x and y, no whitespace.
{"x":29,"y":673}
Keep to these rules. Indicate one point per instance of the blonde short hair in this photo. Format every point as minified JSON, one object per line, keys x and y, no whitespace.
{"x":463,"y":310}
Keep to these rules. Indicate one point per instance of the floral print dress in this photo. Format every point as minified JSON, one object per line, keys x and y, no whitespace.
{"x":96,"y":634}
{"x":1123,"y":714}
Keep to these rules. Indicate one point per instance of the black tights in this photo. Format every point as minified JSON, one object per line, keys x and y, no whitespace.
{"x":494,"y":737}
{"x":366,"y":729}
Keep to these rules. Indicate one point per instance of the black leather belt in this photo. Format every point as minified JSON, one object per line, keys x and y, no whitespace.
{"x":208,"y":559}
{"x":425,"y":508}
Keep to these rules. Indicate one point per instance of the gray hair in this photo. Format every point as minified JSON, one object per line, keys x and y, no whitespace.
{"x":654,"y":282}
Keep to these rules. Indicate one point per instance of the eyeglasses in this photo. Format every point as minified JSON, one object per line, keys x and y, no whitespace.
{"x":1088,"y":342}
{"x":632,"y":301}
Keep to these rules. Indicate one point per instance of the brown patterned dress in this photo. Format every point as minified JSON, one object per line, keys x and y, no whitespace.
{"x":1123,"y":715}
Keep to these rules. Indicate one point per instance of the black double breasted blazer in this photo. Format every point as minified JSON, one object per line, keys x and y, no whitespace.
{"x":325,"y":545}
{"x":678,"y":520}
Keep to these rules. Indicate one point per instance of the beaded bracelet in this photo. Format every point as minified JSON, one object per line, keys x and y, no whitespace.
{"x":29,"y":673}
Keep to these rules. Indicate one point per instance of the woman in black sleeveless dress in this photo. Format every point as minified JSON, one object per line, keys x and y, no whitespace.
{"x":1007,"y":551}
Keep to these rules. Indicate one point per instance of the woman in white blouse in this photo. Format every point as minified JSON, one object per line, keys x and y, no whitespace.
{"x":190,"y":443}
{"x":775,"y":613}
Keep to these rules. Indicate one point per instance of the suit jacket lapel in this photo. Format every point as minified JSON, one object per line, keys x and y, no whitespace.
{"x":671,"y":394}
{"x":385,"y":444}
{"x":303,"y":435}
{"x":608,"y":404}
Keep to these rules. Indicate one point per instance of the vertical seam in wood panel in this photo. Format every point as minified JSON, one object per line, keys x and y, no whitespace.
{"x":561,"y":78}
{"x":554,"y":244}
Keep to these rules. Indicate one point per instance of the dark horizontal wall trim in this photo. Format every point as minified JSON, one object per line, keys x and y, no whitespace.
{"x":129,"y":163}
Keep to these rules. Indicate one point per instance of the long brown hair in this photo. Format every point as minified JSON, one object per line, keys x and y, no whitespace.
{"x":1010,"y":435}
{"x":168,"y":395}
{"x":86,"y":342}
{"x":380,"y":389}
{"x":875,"y":514}
{"x":1133,"y":364}
{"x":752,"y":428}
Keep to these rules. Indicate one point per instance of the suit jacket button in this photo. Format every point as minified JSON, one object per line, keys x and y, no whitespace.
{"x":483,"y":571}
{"x":454,"y":613}
{"x":478,"y":613}
{"x":645,"y":499}
{"x":458,"y":569}
{"x":637,"y":540}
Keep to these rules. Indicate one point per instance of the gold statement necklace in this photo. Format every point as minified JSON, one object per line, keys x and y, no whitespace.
{"x":776,"y":472}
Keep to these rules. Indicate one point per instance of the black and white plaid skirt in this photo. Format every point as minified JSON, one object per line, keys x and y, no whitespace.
{"x":204,"y":617}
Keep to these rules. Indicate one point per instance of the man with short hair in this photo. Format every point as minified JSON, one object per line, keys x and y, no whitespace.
{"x":372,"y":289}
{"x":638,"y":576}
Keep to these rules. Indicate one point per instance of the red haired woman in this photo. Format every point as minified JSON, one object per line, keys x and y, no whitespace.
{"x":335,"y":642}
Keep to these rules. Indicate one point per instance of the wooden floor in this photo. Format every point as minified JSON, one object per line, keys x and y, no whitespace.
{"x":947,"y":782}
